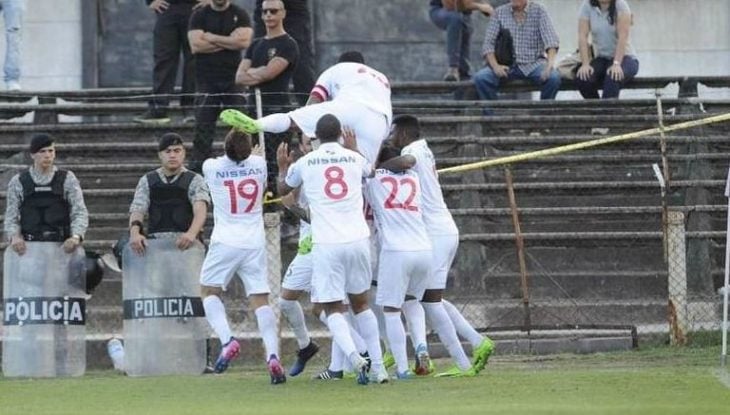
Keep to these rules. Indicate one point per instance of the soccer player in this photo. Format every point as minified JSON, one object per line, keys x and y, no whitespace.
{"x":444,"y":236}
{"x":331,"y":179}
{"x":238,"y":246}
{"x":404,"y":260}
{"x":356,"y":94}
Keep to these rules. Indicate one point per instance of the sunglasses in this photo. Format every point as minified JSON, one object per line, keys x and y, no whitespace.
{"x":270,"y":11}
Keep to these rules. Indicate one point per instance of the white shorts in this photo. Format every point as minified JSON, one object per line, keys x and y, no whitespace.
{"x":223,"y":261}
{"x":443,"y":253}
{"x":298,"y":276}
{"x":338,"y":269}
{"x":401,"y":273}
{"x":370,"y":127}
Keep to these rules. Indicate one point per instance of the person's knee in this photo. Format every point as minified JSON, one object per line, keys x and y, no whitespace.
{"x":207,"y":291}
{"x":359,"y":302}
{"x":258,"y":300}
{"x":486,"y":76}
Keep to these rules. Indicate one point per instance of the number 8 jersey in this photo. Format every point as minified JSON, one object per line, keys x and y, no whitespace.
{"x":237,"y":191}
{"x":331,"y":179}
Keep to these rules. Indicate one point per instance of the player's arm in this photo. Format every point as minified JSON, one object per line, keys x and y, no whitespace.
{"x":284,"y":160}
{"x":399,"y":164}
{"x":239,"y":39}
{"x":290,"y":203}
{"x":200,"y":212}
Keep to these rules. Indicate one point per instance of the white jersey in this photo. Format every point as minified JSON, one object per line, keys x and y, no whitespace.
{"x":305,"y":229}
{"x":237,"y":191}
{"x":436,"y":214}
{"x":356,"y":82}
{"x":396,"y":203}
{"x":331,"y":180}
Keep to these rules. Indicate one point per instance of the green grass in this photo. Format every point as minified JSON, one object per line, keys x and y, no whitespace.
{"x":656,"y":381}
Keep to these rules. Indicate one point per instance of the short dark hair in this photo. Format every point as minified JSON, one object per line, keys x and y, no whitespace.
{"x":237,"y":145}
{"x":409,"y":125}
{"x":351,"y":56}
{"x":387,"y":151}
{"x":39,"y":141}
{"x":328,"y":128}
{"x":169,"y":139}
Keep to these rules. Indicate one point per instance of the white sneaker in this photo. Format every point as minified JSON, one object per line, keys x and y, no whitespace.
{"x":13,"y":86}
{"x":115,"y":348}
{"x":379,"y":376}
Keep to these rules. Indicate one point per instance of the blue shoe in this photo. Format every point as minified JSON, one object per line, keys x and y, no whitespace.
{"x":303,"y":356}
{"x":362,"y":368}
{"x":229,"y":352}
{"x":405,"y":375}
{"x":275,"y":370}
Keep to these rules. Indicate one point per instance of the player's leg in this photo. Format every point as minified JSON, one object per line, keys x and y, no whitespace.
{"x":482,"y":346}
{"x":218,"y":268}
{"x":253,"y":273}
{"x":392,"y":282}
{"x":418,"y":278}
{"x":298,"y":278}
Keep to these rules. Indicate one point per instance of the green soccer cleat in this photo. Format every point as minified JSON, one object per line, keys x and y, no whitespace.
{"x":388,"y":360}
{"x":482,"y":353}
{"x":455,"y":372}
{"x":240,"y":121}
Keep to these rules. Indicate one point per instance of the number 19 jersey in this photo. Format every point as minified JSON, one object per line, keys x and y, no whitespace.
{"x":237,"y":191}
{"x":331,"y":179}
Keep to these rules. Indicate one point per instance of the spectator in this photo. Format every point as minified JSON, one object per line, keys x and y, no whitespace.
{"x":297,"y":24}
{"x":218,"y":32}
{"x":45,"y":203}
{"x":615,"y":63}
{"x":269,"y":64}
{"x":169,"y":41}
{"x":454,"y":16}
{"x":13,"y":16}
{"x":174,"y":199}
{"x":534,"y":37}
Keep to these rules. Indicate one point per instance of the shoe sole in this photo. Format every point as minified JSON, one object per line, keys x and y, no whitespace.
{"x":239,"y":120}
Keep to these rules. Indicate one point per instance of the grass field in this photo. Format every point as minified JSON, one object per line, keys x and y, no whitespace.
{"x":654,"y":381}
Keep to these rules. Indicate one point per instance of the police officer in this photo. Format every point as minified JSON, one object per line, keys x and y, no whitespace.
{"x":174,"y":199}
{"x":45,"y":203}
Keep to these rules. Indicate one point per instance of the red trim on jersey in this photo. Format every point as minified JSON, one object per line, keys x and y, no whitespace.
{"x":320,"y":92}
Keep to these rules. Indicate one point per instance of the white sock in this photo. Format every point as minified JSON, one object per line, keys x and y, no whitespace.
{"x":463,"y":328}
{"x":337,"y":360}
{"x":269,"y":330}
{"x":295,"y":316}
{"x":275,"y":123}
{"x":379,"y":315}
{"x":368,"y":325}
{"x":215,"y":313}
{"x":341,"y":333}
{"x":447,"y":333}
{"x":416,"y":319}
{"x":355,"y":334}
{"x":397,"y":339}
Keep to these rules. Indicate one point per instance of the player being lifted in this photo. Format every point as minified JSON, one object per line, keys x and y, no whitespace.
{"x":356,"y":94}
{"x":237,"y":182}
{"x":331,"y":180}
{"x":444,"y":235}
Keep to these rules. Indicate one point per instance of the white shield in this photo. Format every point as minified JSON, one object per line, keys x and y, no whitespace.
{"x":44,"y":312}
{"x":164,"y":323}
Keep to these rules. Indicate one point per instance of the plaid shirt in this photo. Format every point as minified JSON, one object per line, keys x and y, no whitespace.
{"x":531,"y":38}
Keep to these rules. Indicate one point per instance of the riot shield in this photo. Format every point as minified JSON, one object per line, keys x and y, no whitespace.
{"x":44,"y":319}
{"x":164,"y":323}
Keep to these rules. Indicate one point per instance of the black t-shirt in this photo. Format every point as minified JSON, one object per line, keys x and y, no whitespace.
{"x":221,"y":65}
{"x":261,"y":52}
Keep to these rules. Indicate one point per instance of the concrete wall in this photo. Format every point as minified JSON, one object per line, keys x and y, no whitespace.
{"x":672,"y":37}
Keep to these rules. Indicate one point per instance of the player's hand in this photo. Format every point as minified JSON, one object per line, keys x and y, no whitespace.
{"x":289,"y":200}
{"x":283,"y":158}
{"x":185,"y":241}
{"x":18,"y":244}
{"x":501,"y":71}
{"x":201,"y":3}
{"x":584,"y":72}
{"x":159,"y":6}
{"x":349,"y":140}
{"x":138,"y":243}
{"x":485,"y":8}
{"x":616,"y":72}
{"x":70,"y":244}
{"x":257,"y":150}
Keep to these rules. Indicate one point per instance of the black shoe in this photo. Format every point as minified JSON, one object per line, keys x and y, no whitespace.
{"x":153,"y":116}
{"x":366,"y":356}
{"x":303,"y":356}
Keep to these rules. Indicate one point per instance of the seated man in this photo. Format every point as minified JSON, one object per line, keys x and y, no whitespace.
{"x":535,"y":46}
